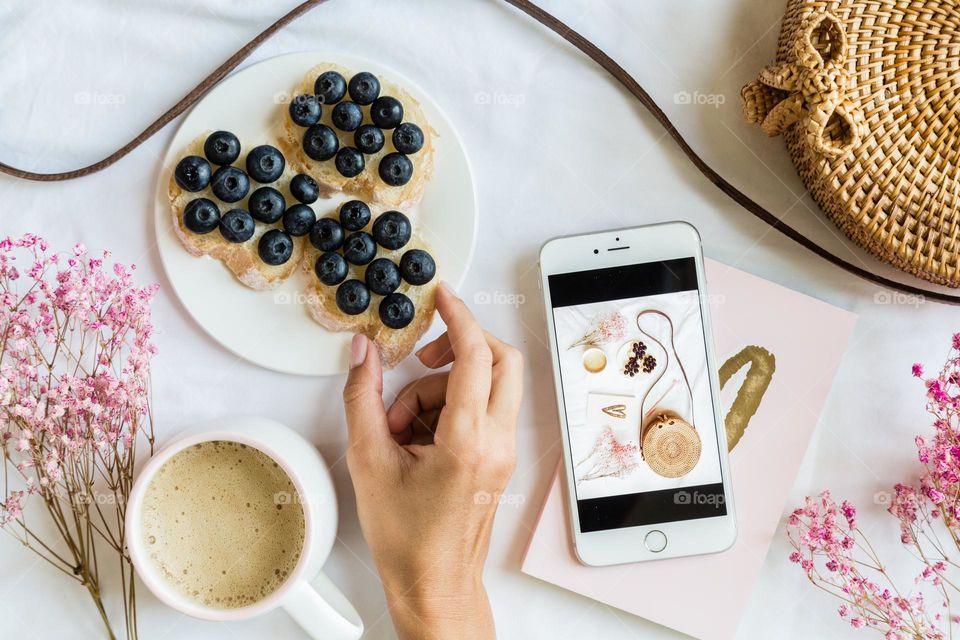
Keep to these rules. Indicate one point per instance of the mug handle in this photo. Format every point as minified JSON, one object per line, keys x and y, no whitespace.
{"x":322,"y":611}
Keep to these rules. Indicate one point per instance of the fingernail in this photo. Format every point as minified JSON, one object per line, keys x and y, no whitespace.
{"x":358,"y":350}
{"x":420,"y":350}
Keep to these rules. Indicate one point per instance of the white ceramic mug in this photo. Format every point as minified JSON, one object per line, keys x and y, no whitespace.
{"x":307,"y":595}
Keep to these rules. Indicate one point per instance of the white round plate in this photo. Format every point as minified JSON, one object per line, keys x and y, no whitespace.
{"x":272,"y":328}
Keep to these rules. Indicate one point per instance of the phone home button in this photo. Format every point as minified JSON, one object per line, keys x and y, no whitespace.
{"x":655,"y":541}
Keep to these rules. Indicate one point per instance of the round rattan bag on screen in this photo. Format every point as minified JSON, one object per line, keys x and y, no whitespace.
{"x":865,"y":93}
{"x":669,"y":444}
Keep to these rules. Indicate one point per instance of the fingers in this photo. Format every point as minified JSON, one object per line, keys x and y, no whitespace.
{"x":367,"y":429}
{"x":417,"y":398}
{"x":468,"y":386}
{"x":506,"y":392}
{"x":436,"y":354}
{"x":506,"y":386}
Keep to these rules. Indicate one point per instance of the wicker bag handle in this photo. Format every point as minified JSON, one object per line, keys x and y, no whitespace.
{"x":591,"y":51}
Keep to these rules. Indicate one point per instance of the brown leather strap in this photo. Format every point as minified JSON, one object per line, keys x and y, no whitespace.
{"x":663,"y":369}
{"x":581,"y":43}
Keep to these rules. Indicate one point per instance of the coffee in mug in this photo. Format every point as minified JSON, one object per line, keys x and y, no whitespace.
{"x":223,"y":523}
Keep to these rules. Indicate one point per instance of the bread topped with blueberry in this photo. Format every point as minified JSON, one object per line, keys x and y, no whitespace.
{"x":360,"y":134}
{"x":370,"y":274}
{"x":256,"y":208}
{"x":242,"y":205}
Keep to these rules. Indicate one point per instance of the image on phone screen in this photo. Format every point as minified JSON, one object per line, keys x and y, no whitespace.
{"x":641,"y":426}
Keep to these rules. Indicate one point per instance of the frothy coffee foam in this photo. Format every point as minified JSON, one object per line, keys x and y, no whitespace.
{"x":223,"y":523}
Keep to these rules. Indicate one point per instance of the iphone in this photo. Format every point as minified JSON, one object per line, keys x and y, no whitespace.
{"x":644,"y":446}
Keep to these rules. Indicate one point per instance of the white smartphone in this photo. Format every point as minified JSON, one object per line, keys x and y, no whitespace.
{"x":644,"y":444}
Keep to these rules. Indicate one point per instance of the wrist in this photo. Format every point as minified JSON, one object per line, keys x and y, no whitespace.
{"x":433,"y":607}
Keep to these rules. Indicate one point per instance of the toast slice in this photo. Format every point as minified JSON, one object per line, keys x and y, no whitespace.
{"x":394,"y":344}
{"x":367,"y":185}
{"x":240,"y":258}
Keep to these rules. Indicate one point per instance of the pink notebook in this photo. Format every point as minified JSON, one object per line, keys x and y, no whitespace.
{"x":753,"y":319}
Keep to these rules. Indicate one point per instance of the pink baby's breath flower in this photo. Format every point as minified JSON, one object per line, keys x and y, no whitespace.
{"x":836,"y":556}
{"x":77,"y":340}
{"x":606,"y":328}
{"x":11,"y":508}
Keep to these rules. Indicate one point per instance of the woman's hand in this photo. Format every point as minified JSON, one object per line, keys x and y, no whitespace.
{"x":427,"y":510}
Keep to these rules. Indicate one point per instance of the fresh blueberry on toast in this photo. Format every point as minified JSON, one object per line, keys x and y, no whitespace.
{"x":371,"y":139}
{"x":225,"y":214}
{"x":356,"y":277}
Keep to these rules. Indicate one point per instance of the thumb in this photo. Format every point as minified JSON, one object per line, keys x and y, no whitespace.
{"x":367,"y":430}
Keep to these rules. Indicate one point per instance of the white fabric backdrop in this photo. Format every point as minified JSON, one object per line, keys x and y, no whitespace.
{"x":556,"y":148}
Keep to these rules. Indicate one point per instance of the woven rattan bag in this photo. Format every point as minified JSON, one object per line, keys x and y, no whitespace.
{"x":865,"y":93}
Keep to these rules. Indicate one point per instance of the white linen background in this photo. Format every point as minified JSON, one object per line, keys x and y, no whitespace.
{"x":556,"y":148}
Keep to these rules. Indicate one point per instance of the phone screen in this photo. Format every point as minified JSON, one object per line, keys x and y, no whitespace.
{"x":636,"y":394}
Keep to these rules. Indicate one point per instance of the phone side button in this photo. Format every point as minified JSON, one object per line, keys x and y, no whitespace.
{"x":655,"y":541}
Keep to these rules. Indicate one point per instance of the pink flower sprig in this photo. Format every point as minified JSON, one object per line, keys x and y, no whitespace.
{"x":75,"y":350}
{"x":605,"y":328}
{"x":838,"y":558}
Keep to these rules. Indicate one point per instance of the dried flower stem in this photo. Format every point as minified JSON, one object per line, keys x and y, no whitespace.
{"x":74,"y":402}
{"x":840,"y":560}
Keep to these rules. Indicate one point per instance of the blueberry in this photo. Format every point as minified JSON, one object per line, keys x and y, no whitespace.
{"x":192,"y":173}
{"x":349,"y":162}
{"x":266,"y":204}
{"x":346,"y":116}
{"x":304,"y":188}
{"x":201,"y":216}
{"x":298,"y":220}
{"x":395,"y":169}
{"x":265,"y":163}
{"x":364,"y":88}
{"x":369,"y":138}
{"x":392,"y":230}
{"x":359,"y":248}
{"x":326,"y":234}
{"x":417,"y":267}
{"x":330,"y":87}
{"x":408,"y":138}
{"x":396,"y":311}
{"x":353,"y":297}
{"x":230,"y":184}
{"x":222,"y":147}
{"x":275,"y":247}
{"x":320,"y":142}
{"x":386,"y":112}
{"x":305,"y":110}
{"x":237,"y":225}
{"x":382,"y":276}
{"x":331,"y":268}
{"x":354,"y":215}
